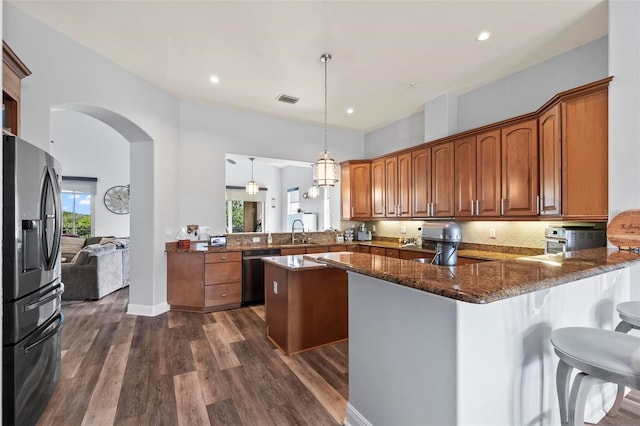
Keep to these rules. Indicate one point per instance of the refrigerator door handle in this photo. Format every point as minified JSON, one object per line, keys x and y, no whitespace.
{"x":31,"y":306}
{"x":50,"y":209}
{"x":60,"y":319}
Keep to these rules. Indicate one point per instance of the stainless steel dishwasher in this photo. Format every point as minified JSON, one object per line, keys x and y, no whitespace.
{"x":253,"y":275}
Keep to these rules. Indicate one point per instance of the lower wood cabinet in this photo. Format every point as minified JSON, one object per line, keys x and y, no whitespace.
{"x":204,"y":282}
{"x":306,"y":308}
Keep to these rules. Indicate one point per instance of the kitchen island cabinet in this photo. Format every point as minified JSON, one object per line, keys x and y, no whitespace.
{"x":305,"y":303}
{"x":470,"y":344}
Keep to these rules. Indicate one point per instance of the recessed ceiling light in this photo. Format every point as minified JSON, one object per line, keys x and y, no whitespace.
{"x":483,"y":36}
{"x":350,"y":111}
{"x":214,"y":79}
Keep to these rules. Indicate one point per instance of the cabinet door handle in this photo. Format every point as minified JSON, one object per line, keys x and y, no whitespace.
{"x":537,"y":204}
{"x":477,"y":207}
{"x":351,"y":211}
{"x":501,"y":206}
{"x":223,"y":257}
{"x":224,"y":294}
{"x":472,"y":203}
{"x":541,"y":204}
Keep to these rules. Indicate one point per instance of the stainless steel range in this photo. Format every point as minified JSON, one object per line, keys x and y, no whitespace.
{"x":444,"y":238}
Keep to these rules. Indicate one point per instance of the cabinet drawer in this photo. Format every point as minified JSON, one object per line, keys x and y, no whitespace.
{"x":222,"y":294}
{"x":378,"y":250}
{"x":218,"y":273}
{"x":364,"y":249}
{"x":232,"y":256}
{"x":392,"y":253}
{"x":292,"y":251}
{"x":319,"y":249}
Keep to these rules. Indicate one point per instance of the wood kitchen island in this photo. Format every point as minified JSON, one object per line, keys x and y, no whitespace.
{"x":305,"y":303}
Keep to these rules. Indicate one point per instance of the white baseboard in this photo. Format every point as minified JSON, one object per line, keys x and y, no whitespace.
{"x":146,"y":310}
{"x":354,"y":418}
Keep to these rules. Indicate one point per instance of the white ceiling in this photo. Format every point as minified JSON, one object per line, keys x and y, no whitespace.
{"x":389,"y":57}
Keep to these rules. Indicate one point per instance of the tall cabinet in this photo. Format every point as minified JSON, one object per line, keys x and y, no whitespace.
{"x":356,"y":189}
{"x":574,"y":155}
{"x":519,"y":146}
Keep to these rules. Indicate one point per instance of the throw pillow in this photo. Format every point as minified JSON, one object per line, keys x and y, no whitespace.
{"x":70,"y":245}
{"x":81,"y":258}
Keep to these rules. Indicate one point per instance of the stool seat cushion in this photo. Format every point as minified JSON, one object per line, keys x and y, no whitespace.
{"x":605,"y":354}
{"x":630,"y":312}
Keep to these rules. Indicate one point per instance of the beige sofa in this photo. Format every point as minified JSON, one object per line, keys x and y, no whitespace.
{"x":96,"y":269}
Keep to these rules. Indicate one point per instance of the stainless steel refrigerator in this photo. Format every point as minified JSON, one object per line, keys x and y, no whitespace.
{"x":31,"y":284}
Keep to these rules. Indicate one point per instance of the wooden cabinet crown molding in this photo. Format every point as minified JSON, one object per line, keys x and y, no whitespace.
{"x":14,"y":63}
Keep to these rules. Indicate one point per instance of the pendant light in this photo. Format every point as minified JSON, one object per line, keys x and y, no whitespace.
{"x":252,"y":186}
{"x":325,"y":169}
{"x":313,"y":191}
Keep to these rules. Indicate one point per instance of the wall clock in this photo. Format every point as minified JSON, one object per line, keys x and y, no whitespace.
{"x":116,"y":199}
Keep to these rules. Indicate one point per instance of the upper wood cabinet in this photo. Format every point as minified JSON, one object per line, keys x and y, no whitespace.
{"x":432,"y":181}
{"x":550,"y":152}
{"x":551,"y":163}
{"x":477,"y":175}
{"x":585,"y":170}
{"x":378,"y":188}
{"x":442,"y":182}
{"x":421,"y":182}
{"x":397,"y":171}
{"x":13,"y":71}
{"x":519,"y":146}
{"x":356,"y":189}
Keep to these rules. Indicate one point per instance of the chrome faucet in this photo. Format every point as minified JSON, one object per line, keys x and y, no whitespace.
{"x":293,"y":229}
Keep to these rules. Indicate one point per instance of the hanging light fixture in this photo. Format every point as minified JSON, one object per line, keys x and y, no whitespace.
{"x":252,"y":186}
{"x":325,"y":169}
{"x":313,"y":191}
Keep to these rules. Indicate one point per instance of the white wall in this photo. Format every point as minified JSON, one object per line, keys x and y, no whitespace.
{"x":66,"y":72}
{"x":517,"y":94}
{"x":529,"y":89}
{"x":395,"y":136}
{"x":88,"y":147}
{"x":207,"y":132}
{"x":624,"y":106}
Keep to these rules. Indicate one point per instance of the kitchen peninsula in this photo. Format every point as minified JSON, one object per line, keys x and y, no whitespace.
{"x":470,"y":344}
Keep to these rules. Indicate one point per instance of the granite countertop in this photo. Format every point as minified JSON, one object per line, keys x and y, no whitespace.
{"x":474,"y":254}
{"x":487,"y":281}
{"x":296,"y":262}
{"x":231,"y":248}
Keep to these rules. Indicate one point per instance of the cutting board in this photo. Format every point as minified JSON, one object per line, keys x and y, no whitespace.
{"x":624,"y":230}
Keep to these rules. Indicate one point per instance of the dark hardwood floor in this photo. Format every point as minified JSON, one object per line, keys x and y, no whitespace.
{"x":200,"y":369}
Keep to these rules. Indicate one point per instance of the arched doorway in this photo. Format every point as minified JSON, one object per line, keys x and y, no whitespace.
{"x":141,"y":223}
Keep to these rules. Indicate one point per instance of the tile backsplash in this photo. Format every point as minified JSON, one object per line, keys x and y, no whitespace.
{"x":507,"y":233}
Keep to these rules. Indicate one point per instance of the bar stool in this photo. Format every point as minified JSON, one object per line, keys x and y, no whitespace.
{"x":601,"y":356}
{"x":630,"y":316}
{"x":629,"y":313}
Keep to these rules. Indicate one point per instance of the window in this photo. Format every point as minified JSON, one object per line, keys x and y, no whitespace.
{"x":244,"y":212}
{"x":293,"y":200}
{"x":78,"y":205}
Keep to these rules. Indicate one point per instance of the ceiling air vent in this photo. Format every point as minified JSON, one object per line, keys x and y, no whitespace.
{"x":287,"y":99}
